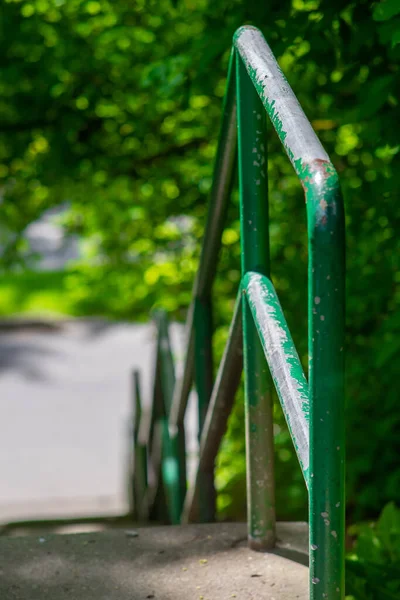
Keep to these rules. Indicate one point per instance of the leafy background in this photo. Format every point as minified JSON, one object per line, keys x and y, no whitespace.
{"x":114,"y":108}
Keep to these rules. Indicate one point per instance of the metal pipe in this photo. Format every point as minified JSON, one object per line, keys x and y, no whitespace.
{"x":326,"y":306}
{"x":220,"y":193}
{"x":283,"y":360}
{"x":204,"y":386}
{"x":255,"y":257}
{"x":140,"y":454}
{"x":220,"y":407}
{"x":291,"y":124}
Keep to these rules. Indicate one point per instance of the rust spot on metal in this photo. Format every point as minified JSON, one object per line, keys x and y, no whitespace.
{"x":321,"y":166}
{"x":316,"y":171}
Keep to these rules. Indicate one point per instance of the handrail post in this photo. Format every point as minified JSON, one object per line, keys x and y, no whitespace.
{"x":139,"y":483}
{"x":326,"y":377}
{"x":203,"y":354}
{"x":173,"y":451}
{"x":325,"y":217}
{"x":255,"y":257}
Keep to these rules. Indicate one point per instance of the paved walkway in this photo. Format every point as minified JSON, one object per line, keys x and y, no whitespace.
{"x":66,"y":416}
{"x":196,"y":562}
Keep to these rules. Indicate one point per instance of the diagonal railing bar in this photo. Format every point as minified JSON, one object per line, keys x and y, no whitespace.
{"x":220,"y":407}
{"x":256,"y":87}
{"x":219,"y":197}
{"x":283,"y":361}
{"x":288,"y":118}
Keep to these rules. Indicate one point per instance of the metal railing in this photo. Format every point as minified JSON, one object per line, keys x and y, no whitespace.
{"x":314,"y":408}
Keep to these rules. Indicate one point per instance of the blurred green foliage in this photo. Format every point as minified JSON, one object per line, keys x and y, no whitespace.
{"x":30,"y":292}
{"x":114,"y":108}
{"x":373,"y":567}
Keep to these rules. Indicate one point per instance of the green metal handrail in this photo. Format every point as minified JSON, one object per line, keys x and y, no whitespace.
{"x":314,"y":409}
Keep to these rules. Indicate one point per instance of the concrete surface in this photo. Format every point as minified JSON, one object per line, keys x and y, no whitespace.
{"x":66,"y":416}
{"x":205,"y":562}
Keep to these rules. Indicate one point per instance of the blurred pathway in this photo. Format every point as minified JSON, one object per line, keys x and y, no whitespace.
{"x":65,"y":416}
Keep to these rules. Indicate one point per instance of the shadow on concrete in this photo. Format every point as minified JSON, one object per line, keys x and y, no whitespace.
{"x":24,"y":358}
{"x":25,"y":344}
{"x":164,"y":563}
{"x":296,"y":556}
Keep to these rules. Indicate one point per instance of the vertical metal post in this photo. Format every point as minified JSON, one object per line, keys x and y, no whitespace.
{"x":326,"y":376}
{"x":140,"y":455}
{"x":204,"y":385}
{"x":223,"y":178}
{"x":173,"y":446}
{"x":255,"y":257}
{"x":173,"y":439}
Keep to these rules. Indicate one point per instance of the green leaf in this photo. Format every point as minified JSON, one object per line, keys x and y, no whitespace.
{"x":388,"y":530}
{"x":386,"y":10}
{"x":389,"y":32}
{"x":396,"y":38}
{"x":376,"y":96}
{"x":387,"y":351}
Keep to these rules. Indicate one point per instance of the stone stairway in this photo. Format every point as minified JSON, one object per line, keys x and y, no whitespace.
{"x":66,"y":406}
{"x":199,"y":562}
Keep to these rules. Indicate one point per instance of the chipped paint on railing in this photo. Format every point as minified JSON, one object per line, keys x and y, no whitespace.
{"x":292,"y":126}
{"x":259,"y":83}
{"x":283,"y":360}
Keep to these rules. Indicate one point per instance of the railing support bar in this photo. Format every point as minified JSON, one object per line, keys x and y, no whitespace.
{"x":173,"y":448}
{"x":326,"y":377}
{"x":140,"y":454}
{"x":204,"y":384}
{"x":255,"y":257}
{"x":283,"y":361}
{"x":224,"y":169}
{"x":220,"y":407}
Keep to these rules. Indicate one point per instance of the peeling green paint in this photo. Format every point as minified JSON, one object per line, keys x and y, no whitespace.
{"x":325,"y":219}
{"x":284,"y":363}
{"x":314,"y":410}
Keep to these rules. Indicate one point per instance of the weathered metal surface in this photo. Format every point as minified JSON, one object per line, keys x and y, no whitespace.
{"x":292,"y":126}
{"x":320,"y":440}
{"x":221,"y":403}
{"x":283,"y":360}
{"x":204,"y":385}
{"x":255,"y":257}
{"x":140,"y":455}
{"x":325,"y":311}
{"x":326,"y":379}
{"x":218,"y":203}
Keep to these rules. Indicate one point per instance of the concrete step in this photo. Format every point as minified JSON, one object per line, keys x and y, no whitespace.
{"x":204,"y":562}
